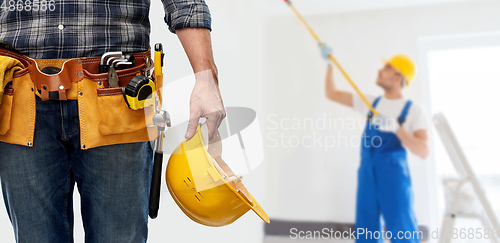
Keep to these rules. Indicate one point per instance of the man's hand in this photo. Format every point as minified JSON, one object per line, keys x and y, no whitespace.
{"x":205,"y":100}
{"x":386,"y":124}
{"x":416,"y":142}
{"x":325,"y":51}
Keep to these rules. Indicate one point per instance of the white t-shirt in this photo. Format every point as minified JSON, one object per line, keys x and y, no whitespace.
{"x":415,"y":120}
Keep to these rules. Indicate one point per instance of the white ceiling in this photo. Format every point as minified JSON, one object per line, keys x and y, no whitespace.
{"x":312,"y":7}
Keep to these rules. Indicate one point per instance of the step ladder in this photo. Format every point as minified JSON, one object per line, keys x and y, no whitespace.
{"x":464,"y":195}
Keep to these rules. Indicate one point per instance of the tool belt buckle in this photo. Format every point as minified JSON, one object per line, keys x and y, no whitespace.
{"x":54,"y":86}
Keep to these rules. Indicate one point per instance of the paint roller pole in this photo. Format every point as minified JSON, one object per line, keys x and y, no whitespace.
{"x":333,"y":59}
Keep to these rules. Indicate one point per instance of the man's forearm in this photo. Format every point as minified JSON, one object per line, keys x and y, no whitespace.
{"x":416,"y":145}
{"x":205,"y":100}
{"x":197,"y":44}
{"x":330,"y":87}
{"x":333,"y":94}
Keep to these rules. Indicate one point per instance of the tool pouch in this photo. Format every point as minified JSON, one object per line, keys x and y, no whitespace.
{"x":18,"y":111}
{"x":106,"y":115}
{"x":116,"y":118}
{"x":6,"y":110}
{"x":54,"y":87}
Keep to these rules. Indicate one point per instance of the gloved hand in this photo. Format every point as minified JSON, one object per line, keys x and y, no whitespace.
{"x":205,"y":102}
{"x":325,"y":51}
{"x":386,"y":124}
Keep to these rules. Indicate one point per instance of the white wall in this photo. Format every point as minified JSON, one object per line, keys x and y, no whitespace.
{"x":308,"y":183}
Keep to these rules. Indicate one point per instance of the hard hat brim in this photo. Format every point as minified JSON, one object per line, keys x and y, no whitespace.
{"x":386,"y":61}
{"x":254,"y":205}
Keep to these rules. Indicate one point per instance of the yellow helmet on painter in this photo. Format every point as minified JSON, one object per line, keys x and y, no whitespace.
{"x":203,"y":185}
{"x":404,"y":65}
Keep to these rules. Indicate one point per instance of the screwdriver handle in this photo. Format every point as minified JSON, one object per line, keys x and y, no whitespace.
{"x":158,"y":58}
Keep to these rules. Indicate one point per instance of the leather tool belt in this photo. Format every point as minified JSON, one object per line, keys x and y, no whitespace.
{"x":104,"y":117}
{"x":57,"y":86}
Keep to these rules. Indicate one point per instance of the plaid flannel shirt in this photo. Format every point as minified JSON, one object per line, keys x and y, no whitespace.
{"x":85,"y":28}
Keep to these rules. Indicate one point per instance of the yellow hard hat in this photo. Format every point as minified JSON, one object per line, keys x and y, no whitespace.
{"x":203,"y":185}
{"x":404,"y":65}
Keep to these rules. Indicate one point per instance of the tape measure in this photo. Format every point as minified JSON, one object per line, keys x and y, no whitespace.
{"x":139,"y":93}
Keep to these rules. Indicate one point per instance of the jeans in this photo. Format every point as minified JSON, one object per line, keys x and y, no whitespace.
{"x":37,"y":182}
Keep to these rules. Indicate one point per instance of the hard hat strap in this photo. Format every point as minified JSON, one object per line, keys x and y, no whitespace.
{"x":232,"y":179}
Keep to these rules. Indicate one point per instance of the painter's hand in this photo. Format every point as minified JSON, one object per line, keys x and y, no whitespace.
{"x":205,"y":102}
{"x":325,"y":51}
{"x":386,"y":124}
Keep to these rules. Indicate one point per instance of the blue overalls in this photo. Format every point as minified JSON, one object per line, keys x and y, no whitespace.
{"x":384,"y":186}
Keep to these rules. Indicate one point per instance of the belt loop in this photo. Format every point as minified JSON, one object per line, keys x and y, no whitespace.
{"x":44,"y":92}
{"x":62,"y":94}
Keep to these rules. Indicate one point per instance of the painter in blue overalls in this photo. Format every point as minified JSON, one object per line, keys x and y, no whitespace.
{"x":385,"y":192}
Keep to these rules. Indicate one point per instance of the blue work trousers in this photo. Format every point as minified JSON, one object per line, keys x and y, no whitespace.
{"x":37,"y":182}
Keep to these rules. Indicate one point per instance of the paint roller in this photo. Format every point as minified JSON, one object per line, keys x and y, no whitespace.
{"x":289,"y":3}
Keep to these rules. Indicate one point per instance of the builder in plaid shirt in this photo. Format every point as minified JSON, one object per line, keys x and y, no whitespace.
{"x":114,"y":180}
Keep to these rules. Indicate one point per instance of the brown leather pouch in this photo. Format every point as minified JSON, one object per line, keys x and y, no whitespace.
{"x":47,"y":85}
{"x":124,"y":76}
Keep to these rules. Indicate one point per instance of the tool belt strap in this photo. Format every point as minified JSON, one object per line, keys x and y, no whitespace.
{"x":73,"y":70}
